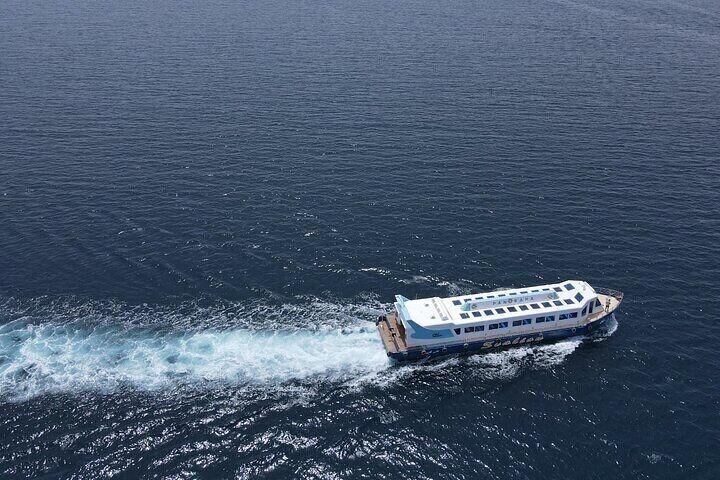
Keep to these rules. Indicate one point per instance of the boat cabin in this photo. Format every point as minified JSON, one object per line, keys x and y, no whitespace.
{"x":475,"y":317}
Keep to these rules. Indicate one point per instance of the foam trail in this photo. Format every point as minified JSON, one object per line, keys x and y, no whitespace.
{"x":51,"y":358}
{"x":64,"y":346}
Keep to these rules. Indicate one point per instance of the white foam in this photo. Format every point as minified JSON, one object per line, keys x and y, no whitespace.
{"x":610,"y":328}
{"x":48,"y":358}
{"x":507,"y":364}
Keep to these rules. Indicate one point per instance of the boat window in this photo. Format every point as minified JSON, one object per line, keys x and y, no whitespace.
{"x":524,"y":291}
{"x":539,"y":319}
{"x":469,"y":329}
{"x":500,"y":310}
{"x":579,"y":297}
{"x":503,"y":324}
{"x":523,"y":307}
{"x":517,"y":323}
{"x":572,"y":315}
{"x":476,"y":314}
{"x":493,"y":326}
{"x":527,"y":321}
{"x":535,"y":306}
{"x":513,"y":293}
{"x":563,"y":316}
{"x":584,"y":311}
{"x":512,"y":309}
{"x":491,"y":296}
{"x":545,"y":289}
{"x":534,"y":290}
{"x":501,"y":295}
{"x":464,"y":315}
{"x":467,"y":300}
{"x":597,"y":302}
{"x":569,"y":286}
{"x":591,"y":305}
{"x":457,"y":331}
{"x":546,"y":304}
{"x":488,"y":312}
{"x":568,"y":301}
{"x":557,"y":303}
{"x":457,"y":302}
{"x":557,"y":289}
{"x":480,"y":328}
{"x":550,"y":318}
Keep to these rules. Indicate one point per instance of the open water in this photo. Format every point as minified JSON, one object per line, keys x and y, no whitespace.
{"x":204,"y":206}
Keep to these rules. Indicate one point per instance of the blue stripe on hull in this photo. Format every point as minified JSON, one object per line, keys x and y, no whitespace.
{"x":498,"y":343}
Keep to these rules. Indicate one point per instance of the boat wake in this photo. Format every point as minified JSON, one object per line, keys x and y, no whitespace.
{"x":506,"y":364}
{"x":66,"y":348}
{"x":94,"y":351}
{"x":55,"y":358}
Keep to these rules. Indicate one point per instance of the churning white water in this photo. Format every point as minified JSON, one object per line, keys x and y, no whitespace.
{"x":50,"y":358}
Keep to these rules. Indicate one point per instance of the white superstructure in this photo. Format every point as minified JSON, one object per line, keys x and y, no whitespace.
{"x":482,"y":316}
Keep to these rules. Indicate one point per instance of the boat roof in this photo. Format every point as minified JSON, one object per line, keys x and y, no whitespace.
{"x":478,"y":308}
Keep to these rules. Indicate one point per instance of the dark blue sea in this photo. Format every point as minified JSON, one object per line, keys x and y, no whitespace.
{"x":205,"y":205}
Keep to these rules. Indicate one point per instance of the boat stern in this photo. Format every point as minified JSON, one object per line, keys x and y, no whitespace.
{"x":392,"y":334}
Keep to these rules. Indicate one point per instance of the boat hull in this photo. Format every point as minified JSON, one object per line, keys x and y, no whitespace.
{"x":499,"y":343}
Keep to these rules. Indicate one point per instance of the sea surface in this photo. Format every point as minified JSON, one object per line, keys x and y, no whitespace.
{"x":205,"y":205}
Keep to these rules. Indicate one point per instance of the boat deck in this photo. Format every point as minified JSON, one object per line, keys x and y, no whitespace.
{"x":608,"y":304}
{"x":392,"y":333}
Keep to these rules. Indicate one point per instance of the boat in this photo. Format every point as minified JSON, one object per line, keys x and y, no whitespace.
{"x":430,"y":327}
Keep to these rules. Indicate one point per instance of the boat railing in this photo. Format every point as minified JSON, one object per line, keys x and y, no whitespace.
{"x":617,"y":295}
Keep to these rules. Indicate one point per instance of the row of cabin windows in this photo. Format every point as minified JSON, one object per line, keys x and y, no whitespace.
{"x":523,"y":292}
{"x":522,"y":308}
{"x":568,"y":287}
{"x":495,"y":326}
{"x":524,"y":321}
{"x":535,"y":306}
{"x":477,"y":328}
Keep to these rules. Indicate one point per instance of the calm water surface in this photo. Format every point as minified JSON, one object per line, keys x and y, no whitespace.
{"x":203,"y":207}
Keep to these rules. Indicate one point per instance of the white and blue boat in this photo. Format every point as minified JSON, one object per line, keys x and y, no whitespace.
{"x":435,"y":326}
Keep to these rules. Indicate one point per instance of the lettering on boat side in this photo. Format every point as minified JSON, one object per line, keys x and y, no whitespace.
{"x":517,"y":341}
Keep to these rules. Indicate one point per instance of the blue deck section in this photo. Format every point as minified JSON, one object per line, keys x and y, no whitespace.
{"x":498,"y":343}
